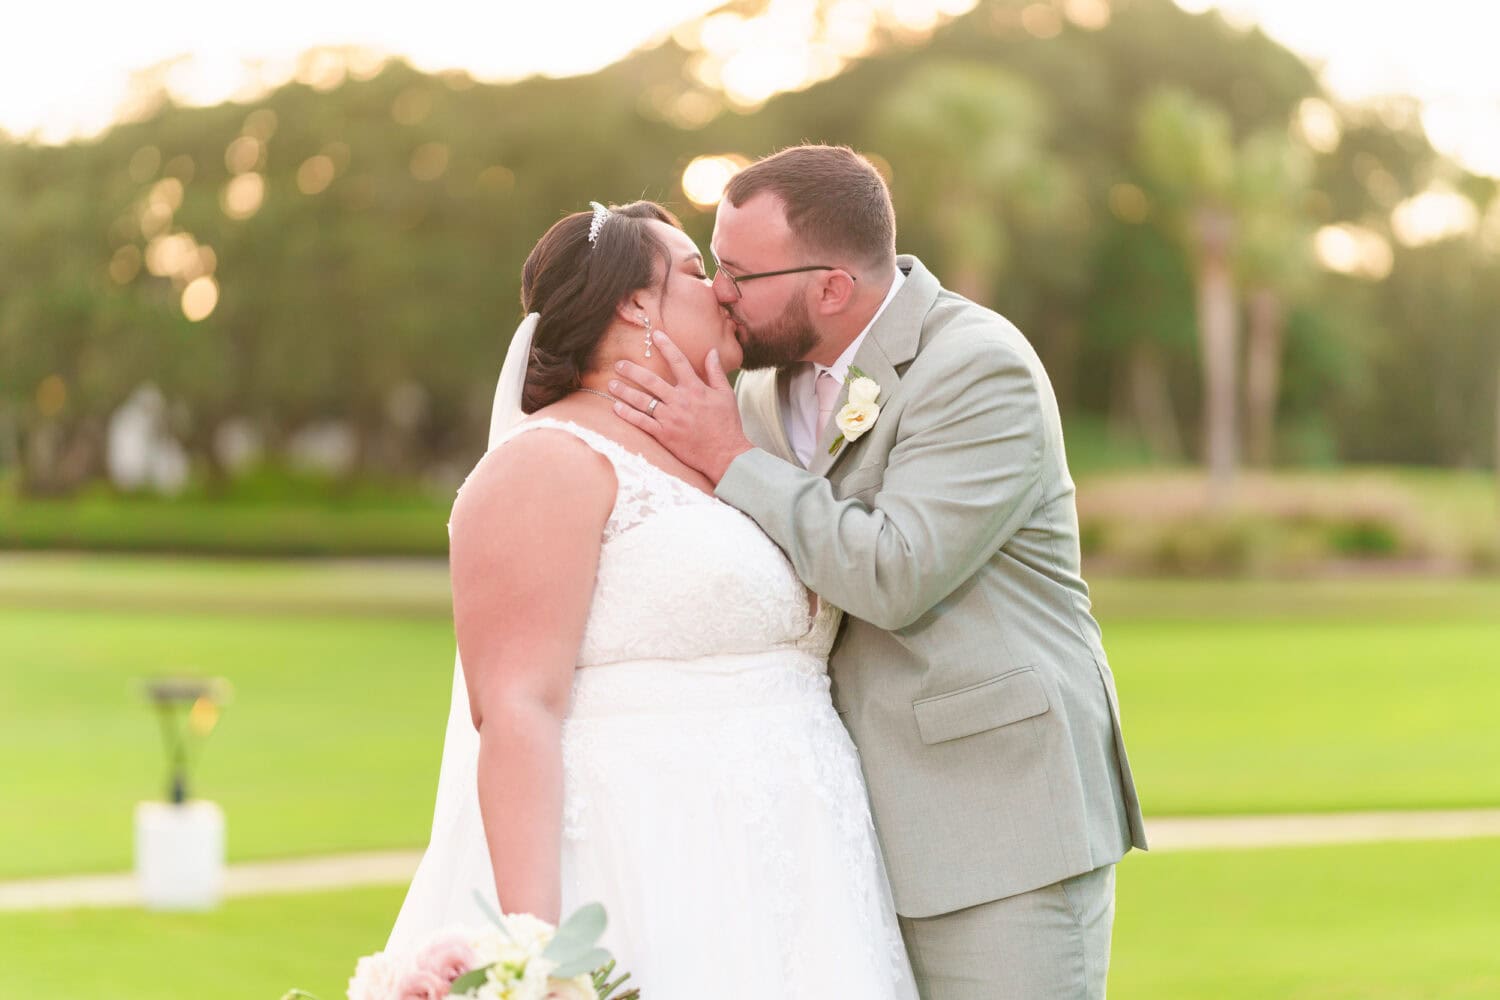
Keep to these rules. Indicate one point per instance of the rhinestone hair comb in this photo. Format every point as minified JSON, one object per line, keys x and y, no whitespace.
{"x":601,"y":215}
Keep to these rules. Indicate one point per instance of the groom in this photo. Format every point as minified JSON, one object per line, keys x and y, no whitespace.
{"x":969,"y":670}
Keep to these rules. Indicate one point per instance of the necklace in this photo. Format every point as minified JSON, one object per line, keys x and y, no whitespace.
{"x":596,"y":392}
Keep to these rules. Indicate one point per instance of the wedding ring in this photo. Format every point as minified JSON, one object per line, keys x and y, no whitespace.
{"x":651,"y":407}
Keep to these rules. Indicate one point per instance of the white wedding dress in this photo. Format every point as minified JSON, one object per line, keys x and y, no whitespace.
{"x":713,"y":801}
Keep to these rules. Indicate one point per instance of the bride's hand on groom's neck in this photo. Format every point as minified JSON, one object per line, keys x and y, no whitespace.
{"x":696,"y":420}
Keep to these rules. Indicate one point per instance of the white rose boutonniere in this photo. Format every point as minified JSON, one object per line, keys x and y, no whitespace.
{"x":860,"y":412}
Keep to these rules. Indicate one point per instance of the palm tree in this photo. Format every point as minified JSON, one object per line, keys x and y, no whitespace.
{"x":1185,"y":152}
{"x":1274,"y":257}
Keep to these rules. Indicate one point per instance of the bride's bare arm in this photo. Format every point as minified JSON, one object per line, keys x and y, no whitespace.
{"x":526,"y":533}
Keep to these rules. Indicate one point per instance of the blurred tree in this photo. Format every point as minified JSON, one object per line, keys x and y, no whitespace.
{"x":1187,"y":155}
{"x":968,"y":153}
{"x":1139,"y":315}
{"x":1273,"y":252}
{"x":365,"y":241}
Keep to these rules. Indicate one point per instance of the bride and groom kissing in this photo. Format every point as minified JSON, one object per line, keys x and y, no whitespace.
{"x":797,"y":677}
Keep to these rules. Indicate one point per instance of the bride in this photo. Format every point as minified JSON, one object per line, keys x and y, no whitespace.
{"x":641,"y":713}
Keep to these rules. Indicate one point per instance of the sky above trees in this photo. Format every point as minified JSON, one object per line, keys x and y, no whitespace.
{"x":66,"y":68}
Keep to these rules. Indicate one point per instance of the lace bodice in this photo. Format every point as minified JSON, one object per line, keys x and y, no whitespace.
{"x":684,"y":575}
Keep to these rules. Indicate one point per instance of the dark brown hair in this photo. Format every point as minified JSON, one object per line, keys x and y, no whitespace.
{"x":575,"y":286}
{"x":836,"y":201}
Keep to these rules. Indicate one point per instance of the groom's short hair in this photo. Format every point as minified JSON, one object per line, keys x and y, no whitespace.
{"x":836,"y":201}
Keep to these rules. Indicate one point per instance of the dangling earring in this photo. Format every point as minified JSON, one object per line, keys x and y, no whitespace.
{"x":646,"y":322}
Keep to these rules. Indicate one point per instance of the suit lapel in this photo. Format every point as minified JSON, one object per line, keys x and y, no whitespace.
{"x":759,"y":394}
{"x":778,"y":416}
{"x":890,"y":344}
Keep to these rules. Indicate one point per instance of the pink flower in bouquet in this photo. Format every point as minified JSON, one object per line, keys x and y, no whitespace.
{"x":420,"y":984}
{"x":447,"y":956}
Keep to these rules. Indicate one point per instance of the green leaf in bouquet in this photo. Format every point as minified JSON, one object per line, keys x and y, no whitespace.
{"x":577,"y":936}
{"x":588,"y":961}
{"x":493,"y":914}
{"x":473,"y":979}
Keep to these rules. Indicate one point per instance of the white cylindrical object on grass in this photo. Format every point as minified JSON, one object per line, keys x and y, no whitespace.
{"x":179,"y":854}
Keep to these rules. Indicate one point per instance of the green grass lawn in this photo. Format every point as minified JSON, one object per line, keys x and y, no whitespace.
{"x":1224,"y":717}
{"x":1237,"y":697}
{"x":331,"y":742}
{"x":1368,"y":922}
{"x":249,"y":949}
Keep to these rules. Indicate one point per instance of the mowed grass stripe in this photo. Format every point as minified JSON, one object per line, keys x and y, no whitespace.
{"x":418,"y":586}
{"x":1372,"y":922}
{"x":312,"y":586}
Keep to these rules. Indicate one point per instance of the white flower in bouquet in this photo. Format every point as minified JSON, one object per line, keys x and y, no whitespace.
{"x":577,"y":988}
{"x":514,"y":975}
{"x":374,"y":977}
{"x":513,"y":951}
{"x":519,"y":937}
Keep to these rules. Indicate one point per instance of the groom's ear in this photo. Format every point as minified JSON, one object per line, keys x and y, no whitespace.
{"x":834,"y":292}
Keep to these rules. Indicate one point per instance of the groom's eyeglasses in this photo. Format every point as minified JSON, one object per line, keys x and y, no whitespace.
{"x":735,"y":280}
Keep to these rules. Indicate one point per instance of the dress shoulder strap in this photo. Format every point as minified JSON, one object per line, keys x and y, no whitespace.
{"x":617,"y":453}
{"x":643,"y":488}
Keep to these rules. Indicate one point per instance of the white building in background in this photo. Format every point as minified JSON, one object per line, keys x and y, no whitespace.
{"x":237,"y":445}
{"x":141,"y":454}
{"x":327,"y":446}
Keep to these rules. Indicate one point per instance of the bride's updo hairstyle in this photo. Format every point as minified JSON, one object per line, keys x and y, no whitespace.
{"x":575,"y":286}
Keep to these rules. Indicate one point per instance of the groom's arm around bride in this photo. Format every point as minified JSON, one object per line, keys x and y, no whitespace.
{"x":970,"y":672}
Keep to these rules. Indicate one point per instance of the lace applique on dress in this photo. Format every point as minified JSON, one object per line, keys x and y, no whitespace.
{"x":643,"y":488}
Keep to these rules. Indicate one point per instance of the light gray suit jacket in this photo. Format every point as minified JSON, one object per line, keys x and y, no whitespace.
{"x":969,"y":670}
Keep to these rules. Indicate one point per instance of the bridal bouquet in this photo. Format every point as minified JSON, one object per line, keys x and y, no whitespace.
{"x":518,"y":958}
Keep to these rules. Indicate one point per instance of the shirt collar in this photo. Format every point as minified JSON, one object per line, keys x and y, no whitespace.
{"x":840,"y":368}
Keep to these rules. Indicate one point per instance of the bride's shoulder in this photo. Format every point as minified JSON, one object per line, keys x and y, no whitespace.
{"x":540,"y":473}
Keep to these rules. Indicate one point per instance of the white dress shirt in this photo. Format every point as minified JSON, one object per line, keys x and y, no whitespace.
{"x":799,"y":402}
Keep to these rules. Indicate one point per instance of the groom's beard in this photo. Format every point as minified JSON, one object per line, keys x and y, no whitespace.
{"x":784,"y":341}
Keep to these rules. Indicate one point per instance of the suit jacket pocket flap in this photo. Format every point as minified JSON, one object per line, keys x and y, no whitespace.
{"x":989,"y":704}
